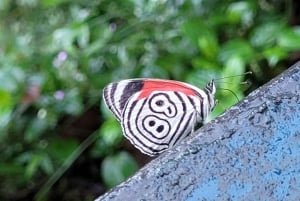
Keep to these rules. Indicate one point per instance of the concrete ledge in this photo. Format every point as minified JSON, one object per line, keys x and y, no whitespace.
{"x":251,"y":152}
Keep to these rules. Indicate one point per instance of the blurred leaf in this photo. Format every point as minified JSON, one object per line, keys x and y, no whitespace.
{"x":80,"y":14}
{"x":203,"y":63}
{"x":111,"y":132}
{"x":38,"y":161}
{"x":202,"y":35}
{"x":235,"y":66}
{"x":60,"y":149}
{"x":4,"y":4}
{"x":103,"y":36}
{"x":10,"y":78}
{"x":192,"y":29}
{"x":11,"y":169}
{"x":229,"y":90}
{"x":6,"y":107}
{"x":47,"y":165}
{"x":241,"y":12}
{"x":69,"y":103}
{"x":36,"y":127}
{"x":33,"y":165}
{"x":6,"y":101}
{"x":117,"y":168}
{"x":49,"y":3}
{"x":265,"y":35}
{"x":200,"y":78}
{"x":66,"y":38}
{"x":237,"y":48}
{"x":82,"y":34}
{"x":289,"y":39}
{"x":154,"y":72}
{"x":208,"y":44}
{"x":274,"y":55}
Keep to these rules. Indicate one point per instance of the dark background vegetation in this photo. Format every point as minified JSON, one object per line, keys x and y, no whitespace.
{"x":57,"y":139}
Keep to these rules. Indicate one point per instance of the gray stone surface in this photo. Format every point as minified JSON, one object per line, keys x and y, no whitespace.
{"x":251,"y":152}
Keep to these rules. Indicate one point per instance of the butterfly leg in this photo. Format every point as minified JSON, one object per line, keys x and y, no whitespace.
{"x":194,"y":120}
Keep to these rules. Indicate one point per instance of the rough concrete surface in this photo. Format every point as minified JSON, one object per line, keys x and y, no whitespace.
{"x":251,"y":152}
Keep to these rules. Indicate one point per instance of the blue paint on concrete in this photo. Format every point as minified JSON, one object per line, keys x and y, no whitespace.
{"x":237,"y":142}
{"x":206,"y":191}
{"x":281,"y":186}
{"x":238,"y":190}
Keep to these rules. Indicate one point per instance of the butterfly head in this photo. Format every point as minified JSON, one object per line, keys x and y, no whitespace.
{"x":210,"y":88}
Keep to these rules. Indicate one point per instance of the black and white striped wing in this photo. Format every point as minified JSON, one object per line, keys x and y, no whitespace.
{"x":116,"y":95}
{"x":156,"y":123}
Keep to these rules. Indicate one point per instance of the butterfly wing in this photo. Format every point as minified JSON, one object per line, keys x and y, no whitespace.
{"x":154,"y":113}
{"x":116,"y":94}
{"x":157,"y":121}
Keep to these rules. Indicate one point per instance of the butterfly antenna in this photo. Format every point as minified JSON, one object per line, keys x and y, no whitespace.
{"x":231,"y":92}
{"x":241,"y":83}
{"x":246,"y":73}
{"x":230,"y":76}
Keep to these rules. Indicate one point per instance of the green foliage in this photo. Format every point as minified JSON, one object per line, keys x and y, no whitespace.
{"x":57,"y":55}
{"x":116,"y":168}
{"x":110,"y":137}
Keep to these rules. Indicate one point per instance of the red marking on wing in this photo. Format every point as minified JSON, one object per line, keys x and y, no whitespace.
{"x":161,"y":85}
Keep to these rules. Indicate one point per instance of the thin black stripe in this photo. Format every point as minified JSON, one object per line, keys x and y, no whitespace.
{"x":131,"y":88}
{"x":201,"y":106}
{"x":192,"y":102}
{"x":182,"y":117}
{"x":182,"y":136}
{"x":113,"y":105}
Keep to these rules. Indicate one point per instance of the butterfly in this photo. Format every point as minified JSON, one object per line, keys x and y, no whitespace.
{"x":155,"y":113}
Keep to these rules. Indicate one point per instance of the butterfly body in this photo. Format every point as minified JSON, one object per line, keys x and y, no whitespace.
{"x":154,"y":113}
